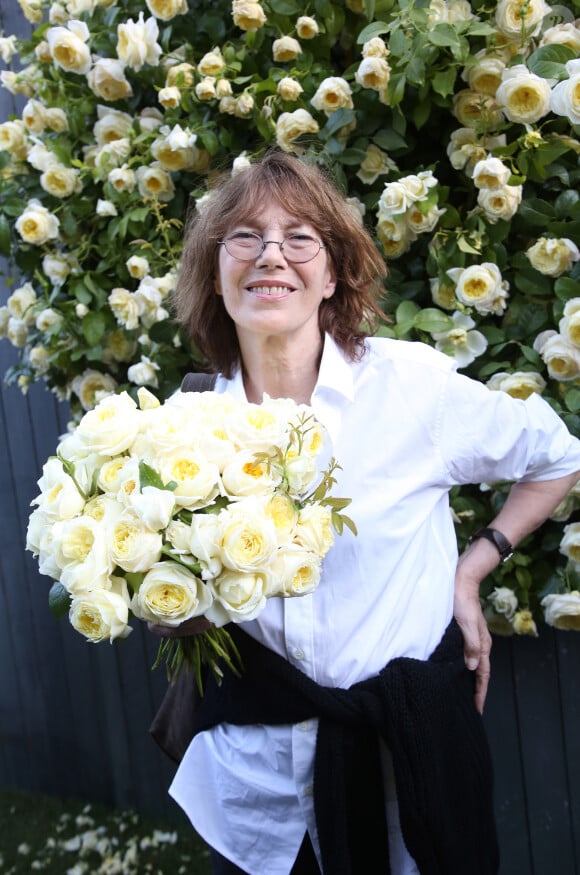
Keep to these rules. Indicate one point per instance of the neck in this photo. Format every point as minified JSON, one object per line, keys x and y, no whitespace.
{"x":281,"y":369}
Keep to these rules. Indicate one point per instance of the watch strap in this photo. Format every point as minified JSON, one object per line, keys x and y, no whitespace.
{"x":504,"y":548}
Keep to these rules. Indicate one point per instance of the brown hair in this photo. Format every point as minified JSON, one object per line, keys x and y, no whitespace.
{"x":303,"y":191}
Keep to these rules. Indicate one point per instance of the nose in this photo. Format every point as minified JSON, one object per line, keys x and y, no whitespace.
{"x":272,"y":255}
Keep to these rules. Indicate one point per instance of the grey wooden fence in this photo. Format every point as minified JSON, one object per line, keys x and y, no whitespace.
{"x":74,"y":717}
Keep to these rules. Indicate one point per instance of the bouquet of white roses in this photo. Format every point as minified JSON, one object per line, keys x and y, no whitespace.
{"x":199,"y":507}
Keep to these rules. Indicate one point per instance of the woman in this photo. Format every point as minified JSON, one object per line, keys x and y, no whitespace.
{"x":278,"y":276}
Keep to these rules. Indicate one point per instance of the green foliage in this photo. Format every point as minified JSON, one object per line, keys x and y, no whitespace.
{"x":449,"y":127}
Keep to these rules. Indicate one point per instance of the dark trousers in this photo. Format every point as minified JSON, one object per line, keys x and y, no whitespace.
{"x":306,"y":862}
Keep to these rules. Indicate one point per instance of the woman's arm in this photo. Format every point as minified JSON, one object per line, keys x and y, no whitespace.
{"x":528,"y":505}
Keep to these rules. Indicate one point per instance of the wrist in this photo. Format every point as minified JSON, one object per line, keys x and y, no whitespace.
{"x":497,"y":538}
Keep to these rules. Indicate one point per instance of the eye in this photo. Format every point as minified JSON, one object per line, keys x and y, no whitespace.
{"x":300,"y":239}
{"x":242,"y":238}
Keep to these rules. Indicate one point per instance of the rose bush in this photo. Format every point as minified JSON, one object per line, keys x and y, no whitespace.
{"x":451,"y":125}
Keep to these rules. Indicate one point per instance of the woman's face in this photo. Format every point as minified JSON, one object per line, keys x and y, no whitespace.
{"x":270,"y":296}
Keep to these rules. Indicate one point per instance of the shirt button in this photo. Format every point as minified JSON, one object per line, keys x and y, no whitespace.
{"x":298,"y":653}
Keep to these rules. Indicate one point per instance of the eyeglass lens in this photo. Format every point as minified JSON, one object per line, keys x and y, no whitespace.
{"x":297,"y":247}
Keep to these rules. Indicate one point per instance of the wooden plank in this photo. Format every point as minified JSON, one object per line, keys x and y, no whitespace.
{"x":568,"y":660}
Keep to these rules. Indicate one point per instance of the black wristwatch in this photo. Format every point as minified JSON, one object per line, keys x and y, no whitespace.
{"x":504,"y":548}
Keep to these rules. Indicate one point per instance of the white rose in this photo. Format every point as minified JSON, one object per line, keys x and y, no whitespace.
{"x":504,"y":601}
{"x":248,"y":537}
{"x":523,"y":96}
{"x":245,"y":475}
{"x":165,"y":10}
{"x":563,"y":35}
{"x":111,"y":125}
{"x":519,"y":384}
{"x":473,"y":109}
{"x":170,"y":594}
{"x":286,"y":49}
{"x":566,"y":94}
{"x":333,"y":93}
{"x":500,"y":203}
{"x":34,"y":116}
{"x":375,"y":163}
{"x":257,"y":428}
{"x":153,"y":506}
{"x":373,"y":72}
{"x":553,"y":256}
{"x":237,"y":596}
{"x":17,"y":332}
{"x":100,"y":615}
{"x":137,"y":43}
{"x":182,"y":75}
{"x":119,"y":477}
{"x":459,"y":10}
{"x":111,"y":427}
{"x":291,"y":125}
{"x":375,"y":48}
{"x":36,"y":224}
{"x":307,"y":27}
{"x":512,"y":18}
{"x":8,"y":48}
{"x":144,"y":373}
{"x":125,"y":307}
{"x":423,"y":223}
{"x":59,"y":496}
{"x":294,"y":572}
{"x":212,"y":63}
{"x":122,"y":179}
{"x":154,"y":182}
{"x":205,"y":89}
{"x":417,"y":185}
{"x":91,"y":386}
{"x":570,"y":543}
{"x":107,"y":80}
{"x":13,"y":138}
{"x":248,"y":14}
{"x":490,"y":173}
{"x":395,"y":199}
{"x":203,"y":542}
{"x":197,"y":480}
{"x":461,"y":342}
{"x":137,"y":266}
{"x":133,"y":546}
{"x":39,"y":358}
{"x":56,"y":267}
{"x":176,"y":150}
{"x":80,"y":549}
{"x":485,"y":74}
{"x":314,"y":529}
{"x":21,"y":302}
{"x":481,"y":286}
{"x":68,"y":47}
{"x":105,"y":208}
{"x":562,"y":610}
{"x":561,"y":358}
{"x":60,"y":181}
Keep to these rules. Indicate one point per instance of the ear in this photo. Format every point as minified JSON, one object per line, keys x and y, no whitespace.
{"x":217,"y":285}
{"x":330,"y":286}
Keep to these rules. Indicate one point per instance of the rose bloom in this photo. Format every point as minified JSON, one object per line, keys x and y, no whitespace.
{"x":248,"y":14}
{"x":111,"y":125}
{"x":500,"y":203}
{"x":238,"y":596}
{"x":80,"y":548}
{"x":257,"y":428}
{"x":471,"y":108}
{"x":553,"y":256}
{"x":144,"y":373}
{"x":396,"y":237}
{"x":569,"y":325}
{"x":490,"y":173}
{"x":165,"y":10}
{"x":68,"y":47}
{"x":100,"y":615}
{"x":8,"y":48}
{"x":125,"y":307}
{"x":562,"y":610}
{"x":314,"y":529}
{"x":373,"y":72}
{"x":511,"y":17}
{"x":523,"y":624}
{"x":137,"y":43}
{"x":570,"y":543}
{"x":289,"y":89}
{"x":245,"y":475}
{"x":107,"y":80}
{"x":56,"y":119}
{"x":133,"y":546}
{"x":562,"y":359}
{"x":176,"y":149}
{"x":375,"y":48}
{"x":461,"y":342}
{"x":59,"y":497}
{"x":520,"y":384}
{"x":504,"y":601}
{"x":36,"y":224}
{"x":21,"y":302}
{"x":307,"y":27}
{"x":566,"y":94}
{"x":423,"y":223}
{"x":294,"y":571}
{"x":395,"y":199}
{"x":60,"y":181}
{"x":212,"y":63}
{"x":286,"y":49}
{"x":47,"y":318}
{"x":13,"y":138}
{"x":180,"y":75}
{"x":291,"y":125}
{"x":205,"y":90}
{"x":17,"y":332}
{"x":562,"y":35}
{"x":523,"y":96}
{"x":169,"y":98}
{"x":485,"y":74}
{"x":375,"y":164}
{"x":248,"y":537}
{"x":153,"y":181}
{"x":333,"y":93}
{"x":169,"y":595}
{"x":34,"y":116}
{"x":481,"y":286}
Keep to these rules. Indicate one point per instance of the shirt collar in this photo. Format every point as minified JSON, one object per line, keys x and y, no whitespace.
{"x":335,"y":373}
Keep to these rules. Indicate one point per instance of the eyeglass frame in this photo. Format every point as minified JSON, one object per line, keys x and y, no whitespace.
{"x":279,"y":243}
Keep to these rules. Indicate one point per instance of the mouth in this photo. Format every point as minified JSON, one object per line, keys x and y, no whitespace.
{"x":270,"y":291}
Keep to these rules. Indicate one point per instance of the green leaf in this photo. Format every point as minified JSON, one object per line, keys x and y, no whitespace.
{"x":338,"y":120}
{"x":389,"y":140}
{"x":148,"y":476}
{"x":285,"y":7}
{"x":444,"y":81}
{"x":567,"y":288}
{"x":537,"y":212}
{"x":432,"y":320}
{"x":93,"y":326}
{"x":376,"y":28}
{"x":443,"y":35}
{"x":549,"y":61}
{"x":58,"y":599}
{"x":5,"y":235}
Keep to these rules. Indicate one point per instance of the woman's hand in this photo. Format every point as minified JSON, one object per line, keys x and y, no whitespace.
{"x":476,"y":637}
{"x":194,"y":626}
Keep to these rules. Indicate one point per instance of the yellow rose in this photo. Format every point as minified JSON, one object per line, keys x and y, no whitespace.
{"x":523,"y":624}
{"x":100,"y":615}
{"x":520,"y":384}
{"x":553,"y":256}
{"x":524,"y":97}
{"x":107,"y":80}
{"x":165,"y":10}
{"x":280,"y":508}
{"x":36,"y":224}
{"x":562,"y":610}
{"x":373,"y":72}
{"x":291,"y":125}
{"x":286,"y":49}
{"x":153,"y":181}
{"x":244,"y":475}
{"x":307,"y":27}
{"x":68,"y":47}
{"x":333,"y":93}
{"x":247,"y":14}
{"x":248,"y":538}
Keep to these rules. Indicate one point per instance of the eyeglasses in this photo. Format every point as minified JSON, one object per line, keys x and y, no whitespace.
{"x":247,"y":246}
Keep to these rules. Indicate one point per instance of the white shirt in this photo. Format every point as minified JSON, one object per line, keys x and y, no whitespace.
{"x":405,"y":428}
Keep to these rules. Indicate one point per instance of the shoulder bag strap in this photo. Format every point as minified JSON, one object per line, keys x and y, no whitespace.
{"x":198,"y":382}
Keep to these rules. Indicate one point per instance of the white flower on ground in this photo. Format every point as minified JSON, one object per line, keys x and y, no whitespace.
{"x":461,"y":342}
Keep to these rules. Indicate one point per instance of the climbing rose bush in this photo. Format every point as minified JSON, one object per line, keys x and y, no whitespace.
{"x":451,"y":126}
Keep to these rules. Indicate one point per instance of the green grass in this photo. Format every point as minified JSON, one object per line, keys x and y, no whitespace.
{"x":70,"y":837}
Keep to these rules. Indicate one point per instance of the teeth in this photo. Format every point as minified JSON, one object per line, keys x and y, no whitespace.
{"x":270,"y":290}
